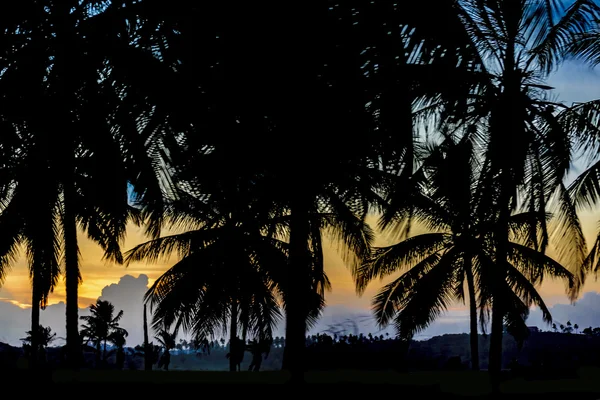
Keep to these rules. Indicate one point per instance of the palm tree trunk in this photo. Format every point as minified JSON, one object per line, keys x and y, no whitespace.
{"x":147,"y":350}
{"x":499,"y":276}
{"x":35,"y":322}
{"x":233,"y":347}
{"x":104,"y":351}
{"x":71,"y":274}
{"x":507,"y":120}
{"x":474,"y":336}
{"x":298,"y":287}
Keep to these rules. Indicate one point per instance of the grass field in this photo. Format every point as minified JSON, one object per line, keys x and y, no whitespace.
{"x":460,"y":383}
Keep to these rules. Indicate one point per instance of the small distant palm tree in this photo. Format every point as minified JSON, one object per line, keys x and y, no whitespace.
{"x":118,"y":339}
{"x":101,"y":324}
{"x":167,"y":341}
{"x":45,"y":336}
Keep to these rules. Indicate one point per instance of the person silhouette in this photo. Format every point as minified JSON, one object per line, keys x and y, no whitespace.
{"x":237,"y":352}
{"x":256,"y":350}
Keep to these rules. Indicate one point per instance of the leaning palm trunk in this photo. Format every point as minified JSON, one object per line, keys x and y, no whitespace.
{"x":298,"y":287}
{"x":72,"y":275}
{"x":474,"y":336}
{"x":233,"y":346}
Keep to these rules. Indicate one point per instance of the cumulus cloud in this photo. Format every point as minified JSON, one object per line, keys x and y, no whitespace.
{"x":126,"y":295}
{"x":585,"y":312}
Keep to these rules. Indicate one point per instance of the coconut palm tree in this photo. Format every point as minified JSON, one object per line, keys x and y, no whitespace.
{"x":352,"y":76}
{"x":526,"y":150}
{"x":228,"y":273}
{"x":101,"y":324}
{"x":42,"y":339}
{"x":28,"y":218}
{"x":166,"y":340}
{"x":118,"y":339}
{"x":454,"y":254}
{"x":74,"y":125}
{"x":444,"y":203}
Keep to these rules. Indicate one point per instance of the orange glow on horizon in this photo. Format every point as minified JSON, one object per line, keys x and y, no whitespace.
{"x":98,"y":274}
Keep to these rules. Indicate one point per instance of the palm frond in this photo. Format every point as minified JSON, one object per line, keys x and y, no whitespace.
{"x":387,"y":301}
{"x":429,"y":298}
{"x":404,"y":255}
{"x":555,"y":29}
{"x":162,"y":248}
{"x":568,"y":238}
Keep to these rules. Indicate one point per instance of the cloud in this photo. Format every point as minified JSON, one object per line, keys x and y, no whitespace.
{"x":575,"y":81}
{"x":126,"y":295}
{"x":585,"y":312}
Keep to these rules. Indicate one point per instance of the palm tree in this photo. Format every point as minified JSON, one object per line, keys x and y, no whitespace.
{"x":27,"y":217}
{"x":166,"y":340}
{"x":526,"y":148}
{"x":228,"y":272}
{"x":101,"y":324}
{"x":352,"y":76}
{"x":439,"y":264}
{"x":444,"y":203}
{"x":50,"y":103}
{"x":118,"y":339}
{"x":42,"y":339}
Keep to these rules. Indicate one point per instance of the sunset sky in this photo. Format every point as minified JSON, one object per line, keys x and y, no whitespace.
{"x":573,"y":82}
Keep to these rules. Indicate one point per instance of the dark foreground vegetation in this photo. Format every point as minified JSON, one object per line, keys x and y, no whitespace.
{"x":243,"y":135}
{"x":544,"y":354}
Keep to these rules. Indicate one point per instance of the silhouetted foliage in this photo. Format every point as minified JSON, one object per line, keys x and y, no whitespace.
{"x":103,"y":326}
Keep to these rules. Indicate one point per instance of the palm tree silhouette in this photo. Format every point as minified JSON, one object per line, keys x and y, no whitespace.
{"x":229,"y":271}
{"x":102,"y":325}
{"x":42,"y":339}
{"x":28,"y":218}
{"x":526,"y":149}
{"x":438,"y":264}
{"x":166,"y":340}
{"x":353,"y":84}
{"x":118,"y":339}
{"x":74,"y":128}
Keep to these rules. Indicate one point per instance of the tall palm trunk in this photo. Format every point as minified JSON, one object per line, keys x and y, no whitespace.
{"x":298,"y":288}
{"x":104,"y":351}
{"x":35,"y":322}
{"x":64,"y":38}
{"x":233,"y":345}
{"x":499,"y":279}
{"x":507,"y":126}
{"x":498,"y":310}
{"x":71,"y":273}
{"x":147,"y":350}
{"x":474,"y":336}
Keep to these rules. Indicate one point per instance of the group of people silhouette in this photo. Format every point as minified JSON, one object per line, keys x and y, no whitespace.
{"x":256,"y":348}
